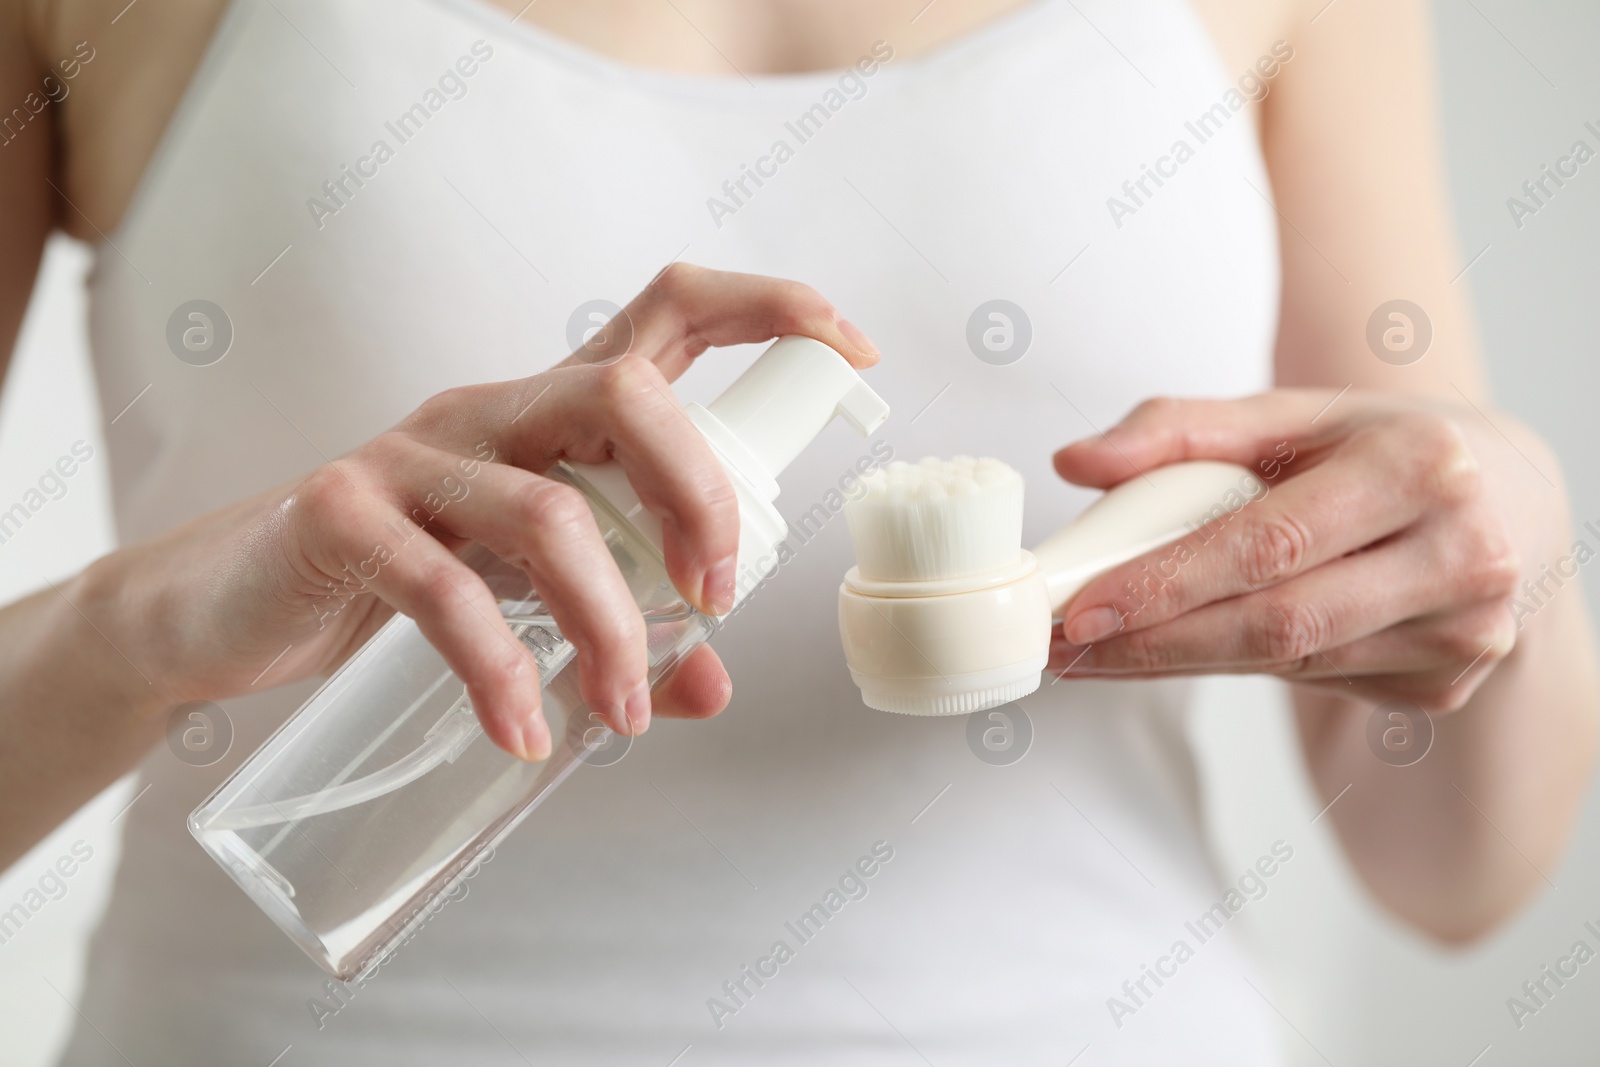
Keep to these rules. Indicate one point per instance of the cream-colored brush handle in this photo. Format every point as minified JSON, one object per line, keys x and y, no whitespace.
{"x":1142,"y":513}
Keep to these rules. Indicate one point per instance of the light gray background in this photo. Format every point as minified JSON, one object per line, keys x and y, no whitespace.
{"x":1352,"y":988}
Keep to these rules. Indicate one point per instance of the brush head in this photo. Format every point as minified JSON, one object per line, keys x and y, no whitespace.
{"x":936,"y":519}
{"x":944,"y":613}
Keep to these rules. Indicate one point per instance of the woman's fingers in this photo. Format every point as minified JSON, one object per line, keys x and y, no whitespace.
{"x":1279,"y":628}
{"x":1447,"y":643}
{"x":351,"y":531}
{"x":672,"y":469}
{"x":1374,"y":566}
{"x":1428,"y":643}
{"x":1334,"y":624}
{"x":544,"y":528}
{"x":1379,"y":480}
{"x":392,"y":536}
{"x":686,"y":309}
{"x":592,"y":410}
{"x":698,"y":689}
{"x":591,"y":414}
{"x":622,"y":408}
{"x":1167,"y":430}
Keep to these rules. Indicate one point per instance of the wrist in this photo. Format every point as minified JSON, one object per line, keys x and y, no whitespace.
{"x":113,"y":628}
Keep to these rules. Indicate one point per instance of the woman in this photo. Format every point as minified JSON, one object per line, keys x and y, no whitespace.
{"x":384,"y":205}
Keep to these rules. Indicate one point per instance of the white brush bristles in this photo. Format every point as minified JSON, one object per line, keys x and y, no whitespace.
{"x":936,"y":519}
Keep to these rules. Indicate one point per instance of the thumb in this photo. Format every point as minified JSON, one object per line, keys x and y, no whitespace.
{"x":1167,"y":430}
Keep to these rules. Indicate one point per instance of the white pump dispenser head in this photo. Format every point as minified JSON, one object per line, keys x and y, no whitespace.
{"x":756,"y":427}
{"x":788,"y":395}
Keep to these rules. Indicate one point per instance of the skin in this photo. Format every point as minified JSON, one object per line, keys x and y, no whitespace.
{"x":1377,"y":568}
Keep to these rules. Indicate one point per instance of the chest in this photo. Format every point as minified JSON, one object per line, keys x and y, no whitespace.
{"x":752,"y":37}
{"x":115,"y":118}
{"x":489,"y":188}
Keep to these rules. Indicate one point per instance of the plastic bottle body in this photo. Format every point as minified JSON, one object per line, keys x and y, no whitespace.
{"x":382,"y":793}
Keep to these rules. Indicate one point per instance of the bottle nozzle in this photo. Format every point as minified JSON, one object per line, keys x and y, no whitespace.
{"x":863,"y":409}
{"x":786,"y":397}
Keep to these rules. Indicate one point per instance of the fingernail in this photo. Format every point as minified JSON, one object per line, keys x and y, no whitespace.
{"x":853,"y":334}
{"x":535,"y":740}
{"x":717,"y":588}
{"x":638,"y":709}
{"x":1093,"y":625}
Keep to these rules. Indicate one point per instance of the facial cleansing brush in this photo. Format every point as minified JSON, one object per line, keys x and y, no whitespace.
{"x":945,"y":613}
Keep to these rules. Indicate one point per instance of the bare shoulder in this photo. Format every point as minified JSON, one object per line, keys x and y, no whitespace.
{"x":121,"y":69}
{"x":1244,"y":30}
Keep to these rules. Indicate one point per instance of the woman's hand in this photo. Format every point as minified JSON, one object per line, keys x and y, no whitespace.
{"x":1378,"y":565}
{"x":287,"y":585}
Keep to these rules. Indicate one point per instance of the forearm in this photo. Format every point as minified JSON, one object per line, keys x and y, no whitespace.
{"x":90,"y":667}
{"x":75,"y":710}
{"x":1454,"y":843}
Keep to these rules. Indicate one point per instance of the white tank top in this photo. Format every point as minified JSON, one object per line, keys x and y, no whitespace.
{"x":623,"y":922}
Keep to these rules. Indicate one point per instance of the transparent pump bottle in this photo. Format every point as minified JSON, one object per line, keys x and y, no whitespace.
{"x":381,"y":794}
